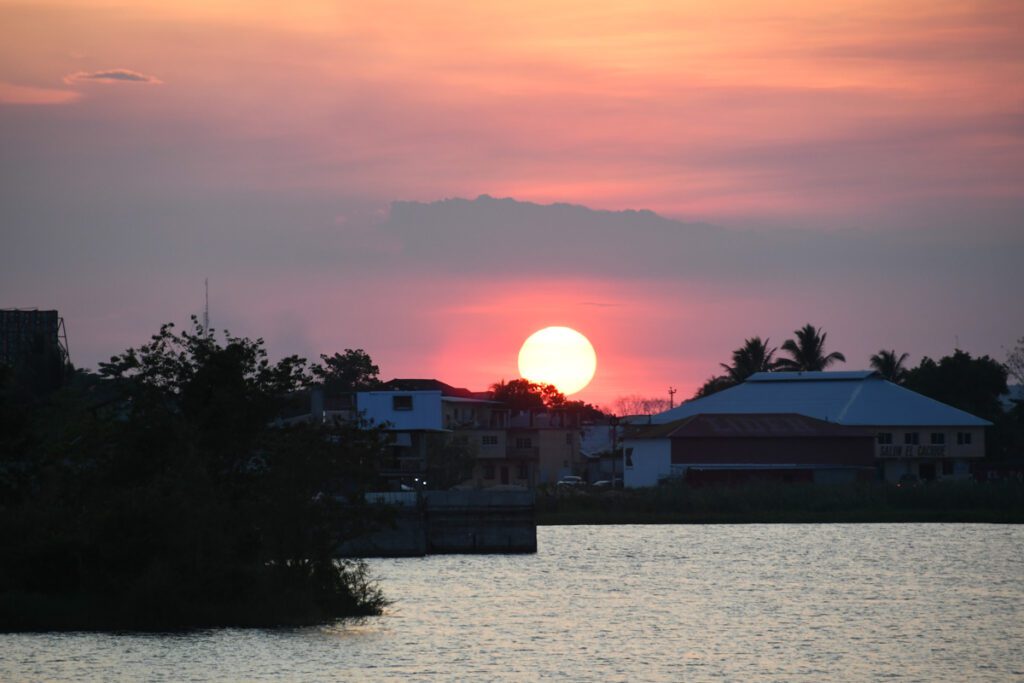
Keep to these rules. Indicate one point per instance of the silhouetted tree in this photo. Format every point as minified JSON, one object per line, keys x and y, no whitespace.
{"x":713,"y":385}
{"x":353,"y":370}
{"x":1015,"y":361}
{"x":890,"y":366}
{"x":161,"y":497}
{"x":634,"y":404}
{"x":807,"y":351}
{"x":522,"y":394}
{"x":971,"y":384}
{"x":753,"y":357}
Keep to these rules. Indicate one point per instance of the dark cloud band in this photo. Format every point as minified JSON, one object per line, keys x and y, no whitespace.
{"x":111,"y":76}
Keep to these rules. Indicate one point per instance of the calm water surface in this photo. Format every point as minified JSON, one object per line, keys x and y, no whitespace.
{"x":630,"y":603}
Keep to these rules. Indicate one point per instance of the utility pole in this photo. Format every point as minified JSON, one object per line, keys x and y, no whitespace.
{"x":671,"y":398}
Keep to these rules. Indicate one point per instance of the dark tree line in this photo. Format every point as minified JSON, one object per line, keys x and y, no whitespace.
{"x":806,"y":354}
{"x":523,"y":395}
{"x":158,"y":494}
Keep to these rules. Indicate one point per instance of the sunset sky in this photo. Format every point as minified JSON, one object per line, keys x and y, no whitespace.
{"x":855,"y":165}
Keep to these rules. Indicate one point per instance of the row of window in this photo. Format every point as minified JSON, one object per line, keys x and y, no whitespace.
{"x":935,"y":438}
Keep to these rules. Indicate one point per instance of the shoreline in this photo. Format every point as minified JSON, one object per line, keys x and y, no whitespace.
{"x":963,"y":502}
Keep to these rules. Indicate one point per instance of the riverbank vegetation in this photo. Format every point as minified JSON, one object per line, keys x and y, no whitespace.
{"x":168,"y":494}
{"x":770,"y":502}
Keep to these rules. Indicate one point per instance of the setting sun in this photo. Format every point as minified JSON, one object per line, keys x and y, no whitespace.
{"x":560,"y":356}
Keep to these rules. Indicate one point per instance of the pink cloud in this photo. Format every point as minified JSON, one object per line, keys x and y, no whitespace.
{"x":25,"y":94}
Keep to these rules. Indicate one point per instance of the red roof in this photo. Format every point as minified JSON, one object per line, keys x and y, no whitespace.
{"x":746,"y":425}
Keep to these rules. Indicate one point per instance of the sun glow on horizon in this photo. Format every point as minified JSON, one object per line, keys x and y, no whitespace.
{"x":560,"y":356}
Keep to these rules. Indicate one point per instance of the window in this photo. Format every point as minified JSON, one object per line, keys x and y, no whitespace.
{"x":963,"y":438}
{"x":568,"y":439}
{"x":884,"y":438}
{"x":629,"y":457}
{"x":938,"y":438}
{"x":910,"y":438}
{"x":947,"y":468}
{"x":401,"y":402}
{"x":524,"y":471}
{"x":524,"y":442}
{"x":489,"y":440}
{"x":489,"y":471}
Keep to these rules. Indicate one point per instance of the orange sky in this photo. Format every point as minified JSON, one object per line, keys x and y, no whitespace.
{"x":157,"y":143}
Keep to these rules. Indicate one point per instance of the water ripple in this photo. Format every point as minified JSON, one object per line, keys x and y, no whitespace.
{"x":628,"y":603}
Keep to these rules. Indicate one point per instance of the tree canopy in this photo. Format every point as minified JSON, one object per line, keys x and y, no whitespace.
{"x":753,"y":357}
{"x":971,"y":384}
{"x":350,"y":371}
{"x":807,"y":351}
{"x":1015,"y":361}
{"x":158,"y":495}
{"x":524,"y":395}
{"x":890,"y":366}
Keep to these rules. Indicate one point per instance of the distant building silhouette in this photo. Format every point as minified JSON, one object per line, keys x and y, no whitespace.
{"x":28,"y":333}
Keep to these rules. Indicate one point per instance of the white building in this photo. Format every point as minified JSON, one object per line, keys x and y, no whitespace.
{"x":914,"y":435}
{"x":423,"y":414}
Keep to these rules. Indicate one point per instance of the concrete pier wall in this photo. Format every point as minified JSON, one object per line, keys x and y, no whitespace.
{"x":436,"y":522}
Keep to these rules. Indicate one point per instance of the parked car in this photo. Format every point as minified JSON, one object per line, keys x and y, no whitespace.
{"x":570,"y":480}
{"x":615,"y":483}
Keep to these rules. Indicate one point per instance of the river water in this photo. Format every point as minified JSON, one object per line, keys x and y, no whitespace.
{"x":907,"y":602}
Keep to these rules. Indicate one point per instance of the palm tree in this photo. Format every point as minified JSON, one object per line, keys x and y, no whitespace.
{"x":753,"y":356}
{"x":713,"y":385}
{"x":807,"y":351}
{"x":890,"y":366}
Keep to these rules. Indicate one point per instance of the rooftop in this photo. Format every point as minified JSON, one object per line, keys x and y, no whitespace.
{"x":745,"y":425}
{"x":847,"y":398}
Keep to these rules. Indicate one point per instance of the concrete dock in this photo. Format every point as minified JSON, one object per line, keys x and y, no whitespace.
{"x":439,"y":522}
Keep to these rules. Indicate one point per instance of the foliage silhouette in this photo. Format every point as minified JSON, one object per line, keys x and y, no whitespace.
{"x":523,"y":395}
{"x":158,"y":496}
{"x":753,"y":357}
{"x":352,"y":370}
{"x":713,"y":385}
{"x":890,"y":366}
{"x":807,"y":351}
{"x":971,"y":384}
{"x":1015,"y":361}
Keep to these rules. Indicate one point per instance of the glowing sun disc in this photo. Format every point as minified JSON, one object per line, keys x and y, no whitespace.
{"x":560,"y":356}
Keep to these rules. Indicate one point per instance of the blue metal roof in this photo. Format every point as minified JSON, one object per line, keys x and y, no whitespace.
{"x":808,"y":376}
{"x":848,"y":398}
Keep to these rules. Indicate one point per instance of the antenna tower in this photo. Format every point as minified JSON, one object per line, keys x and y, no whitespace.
{"x":206,"y":309}
{"x":671,"y":398}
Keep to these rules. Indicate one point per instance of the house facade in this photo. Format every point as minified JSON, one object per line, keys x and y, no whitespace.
{"x":730,"y":447}
{"x":423,"y":416}
{"x":914,"y":436}
{"x":426,"y":418}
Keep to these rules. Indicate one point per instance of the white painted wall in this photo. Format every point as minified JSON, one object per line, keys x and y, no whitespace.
{"x":652,"y":461}
{"x":378,"y":407}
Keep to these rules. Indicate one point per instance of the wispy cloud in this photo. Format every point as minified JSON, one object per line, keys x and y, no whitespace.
{"x":25,"y":94}
{"x":111,"y":76}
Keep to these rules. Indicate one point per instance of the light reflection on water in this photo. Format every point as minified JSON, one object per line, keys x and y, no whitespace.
{"x":638,"y":603}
